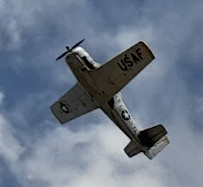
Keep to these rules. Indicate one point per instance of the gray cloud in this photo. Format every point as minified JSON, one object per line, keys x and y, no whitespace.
{"x":90,"y":153}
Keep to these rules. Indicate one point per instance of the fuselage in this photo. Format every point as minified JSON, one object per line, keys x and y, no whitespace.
{"x":115,"y":108}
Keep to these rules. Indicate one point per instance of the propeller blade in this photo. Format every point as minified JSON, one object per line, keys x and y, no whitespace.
{"x":70,"y":49}
{"x":62,"y":55}
{"x":77,"y":44}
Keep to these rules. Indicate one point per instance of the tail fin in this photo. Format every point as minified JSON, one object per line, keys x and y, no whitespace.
{"x":153,"y":140}
{"x":150,"y":136}
{"x":157,"y":147}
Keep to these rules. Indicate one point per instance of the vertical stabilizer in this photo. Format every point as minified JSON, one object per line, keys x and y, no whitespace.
{"x":157,"y":147}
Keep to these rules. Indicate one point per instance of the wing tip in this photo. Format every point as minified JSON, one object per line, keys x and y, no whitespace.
{"x":147,"y":49}
{"x":54,"y":112}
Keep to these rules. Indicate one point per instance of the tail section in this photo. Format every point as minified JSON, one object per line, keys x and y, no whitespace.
{"x":157,"y":147}
{"x":152,"y":141}
{"x":150,"y":136}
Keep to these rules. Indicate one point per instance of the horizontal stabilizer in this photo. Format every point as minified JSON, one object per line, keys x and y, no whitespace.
{"x":131,"y":149}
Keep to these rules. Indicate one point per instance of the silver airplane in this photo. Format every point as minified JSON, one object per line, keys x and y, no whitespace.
{"x":98,"y":86}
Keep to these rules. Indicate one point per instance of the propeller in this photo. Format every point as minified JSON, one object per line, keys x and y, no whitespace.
{"x":70,"y":49}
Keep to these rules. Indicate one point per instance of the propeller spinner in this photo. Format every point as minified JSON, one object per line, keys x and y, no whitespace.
{"x":70,"y":49}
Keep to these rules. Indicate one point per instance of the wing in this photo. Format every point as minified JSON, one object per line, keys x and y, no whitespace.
{"x":74,"y":103}
{"x":110,"y":78}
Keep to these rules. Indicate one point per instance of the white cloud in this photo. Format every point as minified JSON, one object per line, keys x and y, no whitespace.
{"x":1,"y":97}
{"x":10,"y":148}
{"x":25,"y":18}
{"x":130,"y":35}
{"x":93,"y":157}
{"x":15,"y":35}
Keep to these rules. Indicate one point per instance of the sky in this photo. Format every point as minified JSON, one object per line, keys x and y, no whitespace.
{"x":35,"y":150}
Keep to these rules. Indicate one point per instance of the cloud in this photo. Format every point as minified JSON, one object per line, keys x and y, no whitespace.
{"x":95,"y":157}
{"x":88,"y":158}
{"x":10,"y":150}
{"x":9,"y":146}
{"x":90,"y":153}
{"x":1,"y":97}
{"x":10,"y":36}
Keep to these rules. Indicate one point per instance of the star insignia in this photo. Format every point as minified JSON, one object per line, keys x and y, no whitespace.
{"x":125,"y":115}
{"x":64,"y":108}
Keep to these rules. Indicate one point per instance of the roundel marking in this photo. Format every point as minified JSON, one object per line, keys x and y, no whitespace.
{"x":125,"y":115}
{"x":63,"y":107}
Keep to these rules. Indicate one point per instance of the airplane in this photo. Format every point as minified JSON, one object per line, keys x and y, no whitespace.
{"x":98,"y":86}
